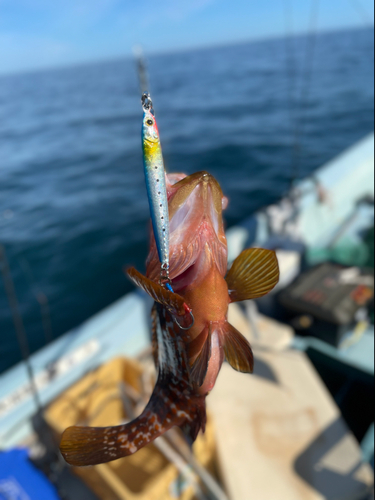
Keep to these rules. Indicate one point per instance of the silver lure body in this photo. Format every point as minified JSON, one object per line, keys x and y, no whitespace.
{"x":156,"y":187}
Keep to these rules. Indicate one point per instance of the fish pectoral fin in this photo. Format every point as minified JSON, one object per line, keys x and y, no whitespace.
{"x":254,"y":273}
{"x":201,"y":345}
{"x":237,"y":349}
{"x":172,"y":301}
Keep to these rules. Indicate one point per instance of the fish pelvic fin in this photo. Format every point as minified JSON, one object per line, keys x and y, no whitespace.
{"x":171,"y":404}
{"x":254,"y":273}
{"x":202,"y":346}
{"x":236,"y":348}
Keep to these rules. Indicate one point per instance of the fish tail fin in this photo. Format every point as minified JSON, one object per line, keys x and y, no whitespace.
{"x":169,"y":406}
{"x":254,"y":273}
{"x":82,"y":446}
{"x":88,"y":445}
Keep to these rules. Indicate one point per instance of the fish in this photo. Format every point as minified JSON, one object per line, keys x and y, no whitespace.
{"x":188,"y":360}
{"x":155,"y":183}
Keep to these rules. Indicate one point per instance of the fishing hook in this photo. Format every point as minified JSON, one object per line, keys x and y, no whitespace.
{"x":184,"y":327}
{"x":166,"y":282}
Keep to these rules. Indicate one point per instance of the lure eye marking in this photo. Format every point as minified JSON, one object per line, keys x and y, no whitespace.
{"x":149,"y":122}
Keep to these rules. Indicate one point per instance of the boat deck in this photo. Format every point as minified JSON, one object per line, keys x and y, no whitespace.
{"x":279,"y":430}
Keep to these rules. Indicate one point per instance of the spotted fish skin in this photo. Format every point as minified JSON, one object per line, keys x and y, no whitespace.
{"x":175,"y":374}
{"x":173,"y":402}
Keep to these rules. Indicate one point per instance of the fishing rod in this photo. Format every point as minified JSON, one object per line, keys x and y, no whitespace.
{"x":18,"y":323}
{"x":141,"y":68}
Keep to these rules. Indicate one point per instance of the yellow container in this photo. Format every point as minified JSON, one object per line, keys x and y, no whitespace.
{"x":147,"y":475}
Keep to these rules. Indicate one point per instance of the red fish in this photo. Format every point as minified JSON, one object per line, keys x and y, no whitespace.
{"x":188,"y":359}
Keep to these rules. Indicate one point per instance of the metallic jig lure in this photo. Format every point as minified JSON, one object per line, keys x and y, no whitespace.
{"x":156,"y":186}
{"x":157,"y":192}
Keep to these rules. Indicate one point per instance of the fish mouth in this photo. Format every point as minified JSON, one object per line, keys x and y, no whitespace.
{"x":197,"y":238}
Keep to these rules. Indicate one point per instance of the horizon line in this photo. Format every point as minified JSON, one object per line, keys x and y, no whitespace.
{"x":161,"y":52}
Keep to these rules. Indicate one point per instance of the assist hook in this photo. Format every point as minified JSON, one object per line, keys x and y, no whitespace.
{"x":184,"y":327}
{"x":167,"y":283}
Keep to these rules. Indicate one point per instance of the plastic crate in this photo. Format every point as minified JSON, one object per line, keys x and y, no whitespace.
{"x":147,"y":475}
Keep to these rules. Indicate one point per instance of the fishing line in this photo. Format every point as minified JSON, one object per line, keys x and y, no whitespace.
{"x":298,"y":111}
{"x":307,"y":77}
{"x":18,"y":323}
{"x":291,"y":66}
{"x":141,"y":68}
{"x":41,"y":298}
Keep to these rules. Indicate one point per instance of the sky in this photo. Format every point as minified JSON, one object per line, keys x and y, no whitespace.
{"x":48,"y":33}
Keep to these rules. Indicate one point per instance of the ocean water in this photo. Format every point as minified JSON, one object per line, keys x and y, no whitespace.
{"x":73,"y":207}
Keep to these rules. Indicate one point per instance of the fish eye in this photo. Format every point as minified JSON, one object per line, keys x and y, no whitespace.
{"x":149,"y":122}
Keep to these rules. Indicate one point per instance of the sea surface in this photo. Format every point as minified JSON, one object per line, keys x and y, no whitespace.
{"x":73,"y":207}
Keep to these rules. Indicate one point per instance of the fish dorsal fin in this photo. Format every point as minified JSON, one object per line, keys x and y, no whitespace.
{"x":172,"y":301}
{"x":237,"y":349}
{"x":253,"y":274}
{"x":200,"y":366}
